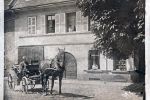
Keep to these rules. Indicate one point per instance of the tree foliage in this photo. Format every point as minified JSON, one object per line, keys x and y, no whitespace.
{"x":117,"y":24}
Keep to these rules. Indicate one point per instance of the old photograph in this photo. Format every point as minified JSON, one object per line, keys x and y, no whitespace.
{"x":74,"y":50}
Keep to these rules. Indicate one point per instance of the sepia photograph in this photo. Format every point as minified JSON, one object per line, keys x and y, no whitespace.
{"x":74,"y":50}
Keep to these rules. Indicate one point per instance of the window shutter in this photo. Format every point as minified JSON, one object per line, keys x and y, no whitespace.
{"x":43,"y":24}
{"x":62,"y":22}
{"x":85,"y":24}
{"x":29,"y":25}
{"x":57,"y":23}
{"x":78,"y":21}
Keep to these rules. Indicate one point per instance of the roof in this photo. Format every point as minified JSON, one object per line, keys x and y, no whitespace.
{"x":32,"y":3}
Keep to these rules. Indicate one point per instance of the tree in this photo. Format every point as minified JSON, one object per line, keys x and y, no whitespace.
{"x":118,"y":25}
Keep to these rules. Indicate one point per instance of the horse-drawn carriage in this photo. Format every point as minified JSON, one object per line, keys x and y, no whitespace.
{"x":38,"y":73}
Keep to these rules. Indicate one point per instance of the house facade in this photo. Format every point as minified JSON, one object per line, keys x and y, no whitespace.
{"x":40,"y":28}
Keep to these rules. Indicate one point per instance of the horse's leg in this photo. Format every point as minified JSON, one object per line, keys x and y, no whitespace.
{"x":52,"y":84}
{"x":60,"y":83}
{"x":46,"y":84}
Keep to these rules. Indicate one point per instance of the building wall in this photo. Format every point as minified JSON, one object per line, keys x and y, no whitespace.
{"x":9,"y":49}
{"x":77,"y":43}
{"x":9,"y":39}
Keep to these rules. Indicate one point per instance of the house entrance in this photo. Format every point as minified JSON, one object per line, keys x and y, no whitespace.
{"x":70,"y":66}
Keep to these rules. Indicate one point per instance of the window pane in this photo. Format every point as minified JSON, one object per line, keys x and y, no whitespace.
{"x":71,"y":22}
{"x":29,"y":29}
{"x":49,"y":18}
{"x":33,"y":29}
{"x":53,"y":17}
{"x":33,"y":21}
{"x":29,"y":21}
{"x":31,"y":25}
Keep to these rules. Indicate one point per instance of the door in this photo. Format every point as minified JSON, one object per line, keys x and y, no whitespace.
{"x":70,"y":66}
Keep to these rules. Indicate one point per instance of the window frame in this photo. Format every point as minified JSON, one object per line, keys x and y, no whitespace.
{"x":67,"y":27}
{"x":119,"y":65}
{"x":31,"y":25}
{"x":52,"y":15}
{"x":93,"y":55}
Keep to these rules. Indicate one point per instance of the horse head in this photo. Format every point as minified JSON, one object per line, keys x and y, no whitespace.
{"x":60,"y":59}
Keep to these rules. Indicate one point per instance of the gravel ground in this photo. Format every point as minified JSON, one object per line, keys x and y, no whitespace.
{"x":76,"y":90}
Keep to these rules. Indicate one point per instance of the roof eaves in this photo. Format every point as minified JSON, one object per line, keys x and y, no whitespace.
{"x":46,"y":5}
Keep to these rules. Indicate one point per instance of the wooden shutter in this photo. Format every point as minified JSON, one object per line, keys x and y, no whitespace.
{"x":43,"y":24}
{"x":62,"y":22}
{"x":57,"y":23}
{"x":78,"y":21}
{"x":85,"y":23}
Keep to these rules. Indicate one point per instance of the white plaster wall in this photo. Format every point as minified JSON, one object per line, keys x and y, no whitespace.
{"x":130,"y":64}
{"x":72,"y":38}
{"x":9,"y":49}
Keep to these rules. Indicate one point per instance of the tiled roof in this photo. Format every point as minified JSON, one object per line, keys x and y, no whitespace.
{"x":31,"y":3}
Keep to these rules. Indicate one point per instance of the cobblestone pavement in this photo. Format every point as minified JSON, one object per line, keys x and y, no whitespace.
{"x":76,"y":90}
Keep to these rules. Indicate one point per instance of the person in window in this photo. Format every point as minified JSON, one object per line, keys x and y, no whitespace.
{"x":22,"y":66}
{"x":70,"y":28}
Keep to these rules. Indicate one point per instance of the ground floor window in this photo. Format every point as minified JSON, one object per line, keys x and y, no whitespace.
{"x":93,"y":59}
{"x":120,"y":65}
{"x":34,"y":54}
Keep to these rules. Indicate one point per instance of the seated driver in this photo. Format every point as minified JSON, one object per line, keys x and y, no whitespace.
{"x":23,"y":65}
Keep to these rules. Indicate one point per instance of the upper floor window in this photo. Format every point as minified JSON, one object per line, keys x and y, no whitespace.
{"x":71,"y":22}
{"x":32,"y":25}
{"x":51,"y":24}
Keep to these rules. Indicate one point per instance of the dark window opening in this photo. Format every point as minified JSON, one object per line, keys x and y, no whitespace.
{"x":93,"y":59}
{"x":51,"y":24}
{"x":120,"y":65}
{"x":71,"y":22}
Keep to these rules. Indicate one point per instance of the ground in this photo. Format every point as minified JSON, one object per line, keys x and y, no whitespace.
{"x":76,"y":90}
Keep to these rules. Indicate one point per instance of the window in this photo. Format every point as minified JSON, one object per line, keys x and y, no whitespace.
{"x":31,"y":25}
{"x":120,"y":65}
{"x":33,"y":54}
{"x":71,"y":22}
{"x":93,"y":59}
{"x":51,"y":24}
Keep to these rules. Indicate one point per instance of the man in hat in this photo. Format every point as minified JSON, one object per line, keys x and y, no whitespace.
{"x":23,"y":65}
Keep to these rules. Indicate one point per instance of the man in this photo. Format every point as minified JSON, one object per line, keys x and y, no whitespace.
{"x":23,"y":65}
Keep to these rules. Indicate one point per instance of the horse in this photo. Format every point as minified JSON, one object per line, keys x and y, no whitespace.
{"x":54,"y":68}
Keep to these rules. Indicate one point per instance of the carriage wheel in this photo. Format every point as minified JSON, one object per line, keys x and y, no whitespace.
{"x":24,"y":85}
{"x":11,"y":83}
